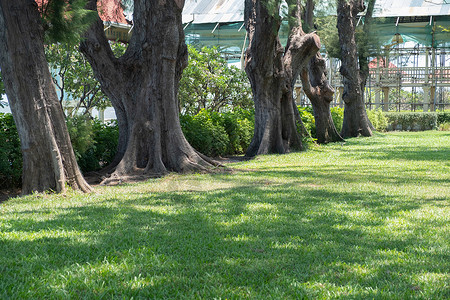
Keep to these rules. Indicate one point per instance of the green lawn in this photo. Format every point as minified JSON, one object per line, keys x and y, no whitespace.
{"x":368,"y":219}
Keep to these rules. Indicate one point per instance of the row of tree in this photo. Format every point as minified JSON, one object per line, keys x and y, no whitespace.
{"x":142,"y":84}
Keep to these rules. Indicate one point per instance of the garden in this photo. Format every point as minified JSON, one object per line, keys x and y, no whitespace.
{"x":210,"y":181}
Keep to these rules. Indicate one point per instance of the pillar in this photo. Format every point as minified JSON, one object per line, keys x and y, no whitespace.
{"x":298,"y":93}
{"x":101,"y":115}
{"x":426,"y":98}
{"x":341,"y":92}
{"x":432,"y":98}
{"x":386,"y":99}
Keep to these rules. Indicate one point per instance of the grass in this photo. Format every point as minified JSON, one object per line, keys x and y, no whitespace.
{"x":368,"y":219}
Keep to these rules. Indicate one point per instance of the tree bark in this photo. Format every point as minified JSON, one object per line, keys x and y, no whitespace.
{"x":272,"y":72}
{"x":143,"y":87}
{"x":320,"y":93}
{"x":356,"y":122}
{"x":48,"y":159}
{"x":318,"y":89}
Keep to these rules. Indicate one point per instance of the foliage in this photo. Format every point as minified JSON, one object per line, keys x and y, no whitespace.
{"x":205,"y":134}
{"x":366,"y":41}
{"x":444,"y":126}
{"x":208,"y":83}
{"x":94,"y":142}
{"x":81,"y":133}
{"x":78,"y":90}
{"x":103,"y":149}
{"x":411,"y":121}
{"x":378,"y":119}
{"x":365,"y":220}
{"x":218,"y":134}
{"x":307,"y":115}
{"x":337,"y":114}
{"x":327,"y":30}
{"x":239,"y":126}
{"x":443,"y":117}
{"x":10,"y":154}
{"x":65,"y":21}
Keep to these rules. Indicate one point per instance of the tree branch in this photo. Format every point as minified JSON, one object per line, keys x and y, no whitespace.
{"x":97,"y":50}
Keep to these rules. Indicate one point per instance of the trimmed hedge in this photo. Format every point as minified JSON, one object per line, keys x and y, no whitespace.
{"x":412,"y":121}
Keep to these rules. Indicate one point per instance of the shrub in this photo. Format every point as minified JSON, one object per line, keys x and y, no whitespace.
{"x":378,"y":120}
{"x":205,"y":134}
{"x":103,"y":149}
{"x":411,"y":121}
{"x":209,"y":83}
{"x":444,"y":126}
{"x":10,"y":153}
{"x":337,"y":114}
{"x":81,"y":133}
{"x":239,"y":126}
{"x":443,"y":117}
{"x":306,"y":113}
{"x":217,"y":134}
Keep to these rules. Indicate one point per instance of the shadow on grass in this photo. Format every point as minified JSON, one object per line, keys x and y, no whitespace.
{"x":249,"y":241}
{"x":260,"y":238}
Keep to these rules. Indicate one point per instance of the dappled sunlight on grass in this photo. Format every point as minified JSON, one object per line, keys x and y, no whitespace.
{"x":368,"y":219}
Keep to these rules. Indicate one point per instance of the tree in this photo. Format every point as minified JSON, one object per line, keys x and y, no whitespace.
{"x":74,"y":78}
{"x":208,"y":83}
{"x":2,"y":86}
{"x":48,"y":159}
{"x":356,"y":121}
{"x":272,"y":72}
{"x":317,"y":88}
{"x":320,"y":93}
{"x":143,"y":85}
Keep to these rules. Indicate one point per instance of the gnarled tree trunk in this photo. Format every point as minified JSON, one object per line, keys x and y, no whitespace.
{"x":356,"y":121}
{"x":48,"y":159}
{"x":320,"y":93}
{"x":272,"y":71}
{"x":143,"y":87}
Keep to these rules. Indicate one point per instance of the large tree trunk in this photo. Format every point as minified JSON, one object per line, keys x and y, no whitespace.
{"x":48,"y":159}
{"x":272,"y":71}
{"x":320,"y":93}
{"x":355,"y":122}
{"x":143,"y":87}
{"x":317,"y":88}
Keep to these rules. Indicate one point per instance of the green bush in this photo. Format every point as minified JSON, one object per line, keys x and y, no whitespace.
{"x":411,"y":121}
{"x":10,"y":153}
{"x":307,"y":115}
{"x":337,"y":114}
{"x":81,"y":133}
{"x":103,"y":149}
{"x":218,"y":134}
{"x":378,"y":120}
{"x":444,"y":126}
{"x":239,"y":126}
{"x":443,"y":117}
{"x":205,"y":134}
